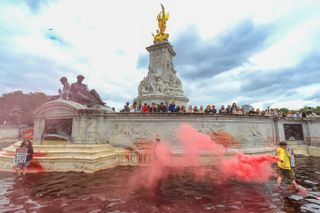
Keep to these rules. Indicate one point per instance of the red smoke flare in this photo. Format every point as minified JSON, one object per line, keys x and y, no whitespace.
{"x":196,"y":145}
{"x":27,"y":134}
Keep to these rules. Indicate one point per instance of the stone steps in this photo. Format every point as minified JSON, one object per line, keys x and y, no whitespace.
{"x":41,"y":151}
{"x":69,"y":150}
{"x":66,"y":157}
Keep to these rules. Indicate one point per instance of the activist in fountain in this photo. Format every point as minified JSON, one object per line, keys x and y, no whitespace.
{"x":285,"y":168}
{"x":21,"y":167}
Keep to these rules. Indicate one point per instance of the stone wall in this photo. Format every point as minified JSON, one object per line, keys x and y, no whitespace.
{"x":11,"y":132}
{"x":126,"y":129}
{"x":97,"y":126}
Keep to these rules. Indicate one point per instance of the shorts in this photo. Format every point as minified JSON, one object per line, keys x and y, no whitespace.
{"x":287,"y":173}
{"x":23,"y":165}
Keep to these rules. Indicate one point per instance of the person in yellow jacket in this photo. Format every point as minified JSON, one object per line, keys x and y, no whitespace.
{"x":284,"y":166}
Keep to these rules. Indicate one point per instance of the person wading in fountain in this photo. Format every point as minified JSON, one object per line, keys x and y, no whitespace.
{"x":25,"y":157}
{"x":285,"y":169}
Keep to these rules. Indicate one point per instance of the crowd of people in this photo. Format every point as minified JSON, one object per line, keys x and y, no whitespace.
{"x":230,"y":109}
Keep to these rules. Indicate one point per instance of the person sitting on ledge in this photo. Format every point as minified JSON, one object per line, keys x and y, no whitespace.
{"x":222,"y":110}
{"x":201,"y":110}
{"x":162,"y":107}
{"x":81,"y":94}
{"x":213,"y":109}
{"x":208,"y":109}
{"x":172,"y":107}
{"x":182,"y":109}
{"x":195,"y":109}
{"x":145,"y":108}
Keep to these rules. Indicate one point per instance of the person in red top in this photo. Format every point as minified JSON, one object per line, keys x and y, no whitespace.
{"x":145,"y":108}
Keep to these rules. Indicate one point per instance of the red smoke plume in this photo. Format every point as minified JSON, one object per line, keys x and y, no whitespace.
{"x":195,"y":146}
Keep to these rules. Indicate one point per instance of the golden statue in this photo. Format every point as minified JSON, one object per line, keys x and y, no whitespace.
{"x":161,"y":35}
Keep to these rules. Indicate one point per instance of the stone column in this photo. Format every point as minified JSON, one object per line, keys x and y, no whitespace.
{"x":75,"y":129}
{"x":39,"y":125}
{"x":79,"y":129}
{"x":100,"y":129}
{"x":161,"y":84}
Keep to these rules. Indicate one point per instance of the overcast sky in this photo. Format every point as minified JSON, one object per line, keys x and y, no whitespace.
{"x":263,"y":53}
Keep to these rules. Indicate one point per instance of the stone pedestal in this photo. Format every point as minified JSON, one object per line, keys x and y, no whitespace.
{"x":161,"y":84}
{"x":69,"y":121}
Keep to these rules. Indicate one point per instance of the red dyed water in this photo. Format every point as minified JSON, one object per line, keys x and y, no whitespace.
{"x":176,"y":184}
{"x":35,"y":166}
{"x":109,"y":191}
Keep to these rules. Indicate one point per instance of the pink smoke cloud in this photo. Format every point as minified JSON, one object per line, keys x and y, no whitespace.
{"x":165,"y":162}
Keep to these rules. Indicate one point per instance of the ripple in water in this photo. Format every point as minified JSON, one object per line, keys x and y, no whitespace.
{"x":110,"y":191}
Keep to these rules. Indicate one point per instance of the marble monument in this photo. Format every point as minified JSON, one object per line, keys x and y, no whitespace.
{"x":162,"y":83}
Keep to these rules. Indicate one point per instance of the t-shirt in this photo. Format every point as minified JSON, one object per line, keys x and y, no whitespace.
{"x":285,"y":160}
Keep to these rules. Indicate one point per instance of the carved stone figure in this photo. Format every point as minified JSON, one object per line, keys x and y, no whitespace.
{"x":157,"y":84}
{"x":81,"y":94}
{"x":65,"y":92}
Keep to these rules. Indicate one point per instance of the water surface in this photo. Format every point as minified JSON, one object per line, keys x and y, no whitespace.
{"x":110,"y":191}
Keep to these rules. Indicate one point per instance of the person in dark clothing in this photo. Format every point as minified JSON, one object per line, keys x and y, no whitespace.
{"x":162,"y":107}
{"x":228,"y":109}
{"x":126,"y":108}
{"x":178,"y":109}
{"x":213,"y":109}
{"x":208,"y":109}
{"x":21,"y":168}
{"x":153,"y":108}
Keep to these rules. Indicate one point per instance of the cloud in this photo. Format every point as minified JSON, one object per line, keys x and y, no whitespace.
{"x":199,"y":58}
{"x":264,"y":59}
{"x":30,"y":73}
{"x":261,"y":87}
{"x":55,"y":38}
{"x":143,"y":61}
{"x":283,"y":79}
{"x":35,"y":5}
